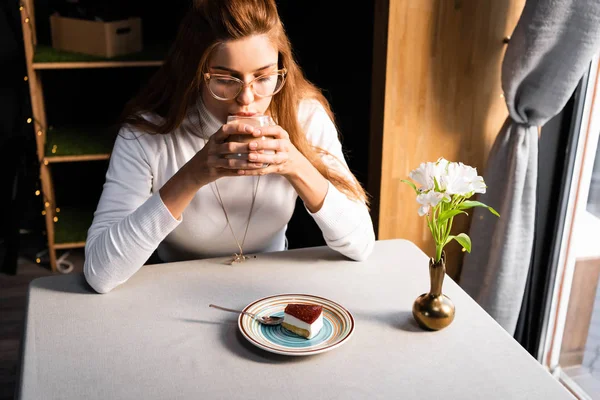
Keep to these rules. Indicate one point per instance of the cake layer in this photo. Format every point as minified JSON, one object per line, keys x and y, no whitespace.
{"x":302,"y":328}
{"x":296,"y":330}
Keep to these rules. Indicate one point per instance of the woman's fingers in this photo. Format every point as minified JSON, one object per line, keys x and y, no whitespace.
{"x":233,"y":129}
{"x":229,"y":148}
{"x":265,"y":170}
{"x":277,"y":145}
{"x":232,"y":163}
{"x":274,"y":131}
{"x":265,"y":158}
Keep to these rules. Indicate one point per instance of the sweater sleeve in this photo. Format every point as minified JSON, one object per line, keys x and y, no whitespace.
{"x":129,"y":222}
{"x":346,"y":224}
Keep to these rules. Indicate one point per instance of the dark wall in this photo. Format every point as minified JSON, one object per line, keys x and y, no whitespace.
{"x":18,"y":165}
{"x":335,"y":53}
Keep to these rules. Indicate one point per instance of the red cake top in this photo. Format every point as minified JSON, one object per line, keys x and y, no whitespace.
{"x":304,"y":312}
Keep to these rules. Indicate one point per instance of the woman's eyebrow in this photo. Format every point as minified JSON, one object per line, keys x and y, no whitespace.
{"x":232,"y":71}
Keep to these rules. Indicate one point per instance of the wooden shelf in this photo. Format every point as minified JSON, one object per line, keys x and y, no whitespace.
{"x":78,"y":143}
{"x":91,"y":157}
{"x":70,"y":231}
{"x":47,"y":57}
{"x":67,"y":228}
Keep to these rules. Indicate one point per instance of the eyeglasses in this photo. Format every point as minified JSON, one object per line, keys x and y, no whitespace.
{"x":226,"y":87}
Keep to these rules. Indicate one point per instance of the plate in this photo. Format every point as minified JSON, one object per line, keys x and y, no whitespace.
{"x":338,"y":326}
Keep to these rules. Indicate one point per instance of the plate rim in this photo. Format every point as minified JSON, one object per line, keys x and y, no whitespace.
{"x":250,"y":339}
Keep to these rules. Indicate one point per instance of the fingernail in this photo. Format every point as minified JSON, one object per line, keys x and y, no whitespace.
{"x":241,"y":172}
{"x":252,"y":156}
{"x":257,"y":132}
{"x":253,"y":145}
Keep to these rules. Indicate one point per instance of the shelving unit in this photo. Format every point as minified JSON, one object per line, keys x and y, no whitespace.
{"x":67,"y":228}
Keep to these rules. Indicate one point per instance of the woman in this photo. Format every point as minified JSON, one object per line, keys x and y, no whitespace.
{"x":172,"y":185}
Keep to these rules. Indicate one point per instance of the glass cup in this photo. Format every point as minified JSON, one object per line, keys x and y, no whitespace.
{"x":254,"y":120}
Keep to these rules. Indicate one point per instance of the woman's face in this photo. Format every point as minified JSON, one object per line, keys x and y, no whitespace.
{"x":244,"y":59}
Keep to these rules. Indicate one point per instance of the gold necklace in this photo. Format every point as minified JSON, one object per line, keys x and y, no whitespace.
{"x":241,"y":257}
{"x":238,"y":258}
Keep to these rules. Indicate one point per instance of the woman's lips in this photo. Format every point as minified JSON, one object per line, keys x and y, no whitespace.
{"x":245,"y":114}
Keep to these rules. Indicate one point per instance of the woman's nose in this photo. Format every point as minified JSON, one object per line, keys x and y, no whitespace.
{"x":246,"y":96}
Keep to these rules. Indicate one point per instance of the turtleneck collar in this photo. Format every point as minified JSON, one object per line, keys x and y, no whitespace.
{"x":210,"y":123}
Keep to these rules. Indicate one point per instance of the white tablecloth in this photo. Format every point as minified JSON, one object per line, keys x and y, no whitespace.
{"x":155,"y":337}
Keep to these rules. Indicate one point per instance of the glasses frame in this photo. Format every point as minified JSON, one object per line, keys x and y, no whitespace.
{"x":208,"y":76}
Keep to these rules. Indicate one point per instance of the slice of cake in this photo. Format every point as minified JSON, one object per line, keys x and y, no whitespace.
{"x":303,"y":319}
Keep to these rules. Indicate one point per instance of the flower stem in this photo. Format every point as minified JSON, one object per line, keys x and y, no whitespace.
{"x":438,"y":252}
{"x":439,"y":237}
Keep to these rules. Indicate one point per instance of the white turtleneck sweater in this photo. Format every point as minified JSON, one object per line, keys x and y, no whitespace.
{"x":131,"y":220}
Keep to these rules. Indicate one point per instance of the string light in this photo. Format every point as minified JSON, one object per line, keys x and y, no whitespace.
{"x":40,"y":126}
{"x":27,"y":20}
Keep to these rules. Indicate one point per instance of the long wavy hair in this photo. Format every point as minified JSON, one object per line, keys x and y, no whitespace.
{"x":176,"y":85}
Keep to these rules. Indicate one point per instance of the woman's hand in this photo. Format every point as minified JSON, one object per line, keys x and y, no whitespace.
{"x":207,"y":165}
{"x":276,"y":154}
{"x":286,"y":160}
{"x":216,"y":159}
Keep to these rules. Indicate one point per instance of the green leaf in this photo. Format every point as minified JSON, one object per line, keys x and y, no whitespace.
{"x":449,"y":214}
{"x":470,"y":204}
{"x":464,"y":240}
{"x":412,"y":185}
{"x":465,"y":205}
{"x":494,"y":212}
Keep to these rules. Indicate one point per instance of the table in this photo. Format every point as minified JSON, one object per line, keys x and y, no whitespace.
{"x":155,"y":337}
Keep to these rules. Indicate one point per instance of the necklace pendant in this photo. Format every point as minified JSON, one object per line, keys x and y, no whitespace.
{"x":238,"y":258}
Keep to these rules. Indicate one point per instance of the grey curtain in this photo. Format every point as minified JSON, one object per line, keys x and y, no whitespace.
{"x":549,"y":51}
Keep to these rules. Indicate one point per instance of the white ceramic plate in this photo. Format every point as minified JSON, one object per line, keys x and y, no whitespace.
{"x":338,"y":326}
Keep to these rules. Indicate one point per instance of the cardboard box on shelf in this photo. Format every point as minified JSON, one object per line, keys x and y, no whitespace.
{"x":103,"y":39}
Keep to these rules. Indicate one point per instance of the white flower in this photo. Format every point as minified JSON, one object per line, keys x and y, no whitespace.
{"x":442,"y":179}
{"x":424,"y":176}
{"x":442,"y":166}
{"x":476,"y":182}
{"x":427,"y":172}
{"x":462,"y":179}
{"x":455,"y":181}
{"x":429,"y":199}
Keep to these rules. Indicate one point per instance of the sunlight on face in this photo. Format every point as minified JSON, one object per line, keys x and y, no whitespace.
{"x":244,"y":59}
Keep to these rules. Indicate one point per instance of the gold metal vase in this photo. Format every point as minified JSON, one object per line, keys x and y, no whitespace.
{"x":434,"y":310}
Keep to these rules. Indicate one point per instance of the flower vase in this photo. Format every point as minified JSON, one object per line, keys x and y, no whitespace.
{"x":434,"y":310}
